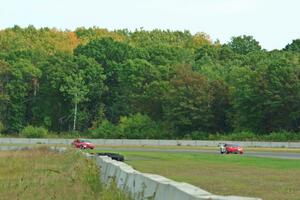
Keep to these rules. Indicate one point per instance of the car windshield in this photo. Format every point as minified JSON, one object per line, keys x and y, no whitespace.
{"x":85,"y":141}
{"x":232,"y":145}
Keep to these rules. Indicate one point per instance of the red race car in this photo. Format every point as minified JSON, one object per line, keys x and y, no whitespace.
{"x":231,"y":148}
{"x":83,"y":144}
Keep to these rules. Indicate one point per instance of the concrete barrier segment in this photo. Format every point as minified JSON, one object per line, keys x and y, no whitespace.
{"x":129,"y":142}
{"x":144,"y":186}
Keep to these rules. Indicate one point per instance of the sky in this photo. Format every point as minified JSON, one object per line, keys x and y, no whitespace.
{"x":274,"y":23}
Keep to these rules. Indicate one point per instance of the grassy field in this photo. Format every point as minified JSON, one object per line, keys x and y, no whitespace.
{"x":256,"y":149}
{"x":224,"y":174}
{"x":41,"y":174}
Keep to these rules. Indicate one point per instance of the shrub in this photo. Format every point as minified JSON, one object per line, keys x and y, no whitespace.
{"x":106,"y":130}
{"x":275,"y":136}
{"x":242,"y":136}
{"x":140,"y":126}
{"x":1,"y":127}
{"x":281,"y":136}
{"x":197,"y":135}
{"x":73,"y":134}
{"x":216,"y":136}
{"x":34,"y":132}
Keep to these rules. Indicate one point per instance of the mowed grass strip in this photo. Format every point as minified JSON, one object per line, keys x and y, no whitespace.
{"x":266,"y":178}
{"x":42,"y":174}
{"x":216,"y":148}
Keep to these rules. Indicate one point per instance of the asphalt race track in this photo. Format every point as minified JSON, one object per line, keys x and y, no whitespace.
{"x":283,"y":155}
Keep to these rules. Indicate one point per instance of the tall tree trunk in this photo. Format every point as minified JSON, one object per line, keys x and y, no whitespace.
{"x":75,"y":115}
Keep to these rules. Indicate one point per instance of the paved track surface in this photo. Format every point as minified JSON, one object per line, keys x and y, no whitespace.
{"x":282,"y":155}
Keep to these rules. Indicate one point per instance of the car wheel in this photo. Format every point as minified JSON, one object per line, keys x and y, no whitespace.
{"x":82,"y":147}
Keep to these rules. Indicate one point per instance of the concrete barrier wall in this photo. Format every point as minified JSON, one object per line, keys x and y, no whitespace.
{"x":143,"y":186}
{"x":127,"y":142}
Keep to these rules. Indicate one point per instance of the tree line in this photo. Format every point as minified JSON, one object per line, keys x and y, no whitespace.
{"x":151,"y":84}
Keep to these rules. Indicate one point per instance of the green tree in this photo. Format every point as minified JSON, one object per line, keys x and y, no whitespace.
{"x":168,"y":56}
{"x":105,"y":51}
{"x":265,"y":98}
{"x":76,"y":89}
{"x":4,"y":97}
{"x":188,"y":104}
{"x":110,"y":54}
{"x":21,"y":90}
{"x":139,"y":87}
{"x":294,"y":46}
{"x":73,"y":80}
{"x":244,"y":44}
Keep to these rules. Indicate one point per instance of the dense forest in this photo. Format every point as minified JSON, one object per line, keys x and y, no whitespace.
{"x":145,"y":84}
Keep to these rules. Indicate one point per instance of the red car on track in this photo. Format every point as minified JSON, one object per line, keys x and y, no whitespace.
{"x":83,"y":144}
{"x":231,"y":148}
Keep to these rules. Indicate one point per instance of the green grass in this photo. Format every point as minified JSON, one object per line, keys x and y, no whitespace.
{"x":258,"y":149}
{"x":42,"y":174}
{"x":266,"y":178}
